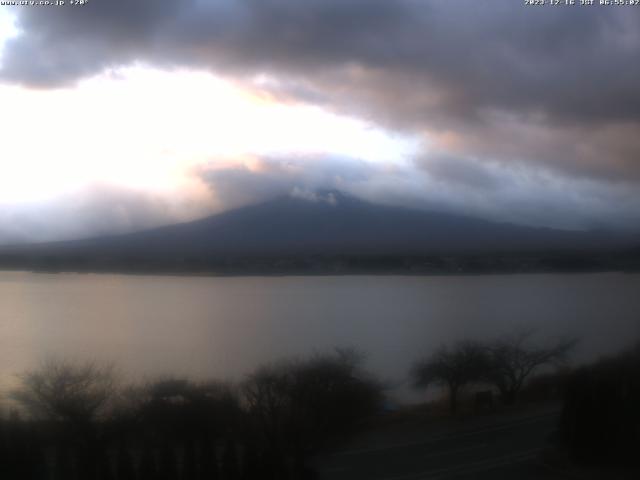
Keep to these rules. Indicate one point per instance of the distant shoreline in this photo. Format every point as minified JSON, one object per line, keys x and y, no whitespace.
{"x":436,"y":264}
{"x":267,"y":274}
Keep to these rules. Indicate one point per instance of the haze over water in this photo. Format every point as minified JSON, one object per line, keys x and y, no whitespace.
{"x":224,"y":327}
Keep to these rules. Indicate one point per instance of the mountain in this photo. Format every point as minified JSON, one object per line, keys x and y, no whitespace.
{"x":332,"y":224}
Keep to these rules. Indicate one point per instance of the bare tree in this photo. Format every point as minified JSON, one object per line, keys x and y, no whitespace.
{"x":59,"y":390}
{"x":306,"y":402}
{"x":452,"y":368}
{"x":513,"y":359}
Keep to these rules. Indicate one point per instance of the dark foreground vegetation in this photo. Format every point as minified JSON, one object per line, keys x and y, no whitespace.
{"x":600,"y":422}
{"x":80,"y":425}
{"x":75,"y":421}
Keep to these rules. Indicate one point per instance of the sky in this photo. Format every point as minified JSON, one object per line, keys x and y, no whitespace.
{"x":126,"y":114}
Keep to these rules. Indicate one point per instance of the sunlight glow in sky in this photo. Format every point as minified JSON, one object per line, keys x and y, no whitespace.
{"x":147,"y":129}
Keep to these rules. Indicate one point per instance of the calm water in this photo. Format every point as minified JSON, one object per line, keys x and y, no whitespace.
{"x":224,"y":327}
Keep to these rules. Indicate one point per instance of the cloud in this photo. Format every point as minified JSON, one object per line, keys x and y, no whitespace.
{"x":315,"y":196}
{"x":437,"y":65}
{"x":97,"y":210}
{"x":527,"y":114}
{"x":258,"y":179}
{"x":459,"y":57}
{"x":505,"y":193}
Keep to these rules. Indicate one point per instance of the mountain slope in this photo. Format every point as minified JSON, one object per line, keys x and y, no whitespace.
{"x":335,"y":224}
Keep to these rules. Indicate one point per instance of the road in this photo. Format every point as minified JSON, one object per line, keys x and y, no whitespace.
{"x":497,"y":447}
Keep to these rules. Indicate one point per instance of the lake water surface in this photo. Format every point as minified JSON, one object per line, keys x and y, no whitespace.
{"x":224,"y":327}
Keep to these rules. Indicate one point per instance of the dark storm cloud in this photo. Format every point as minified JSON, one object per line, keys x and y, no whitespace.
{"x":573,"y":64}
{"x":243,"y":35}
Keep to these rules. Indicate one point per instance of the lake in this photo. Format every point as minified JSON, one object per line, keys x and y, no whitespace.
{"x":224,"y":327}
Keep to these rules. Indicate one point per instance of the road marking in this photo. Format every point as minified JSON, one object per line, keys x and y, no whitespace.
{"x":447,"y":436}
